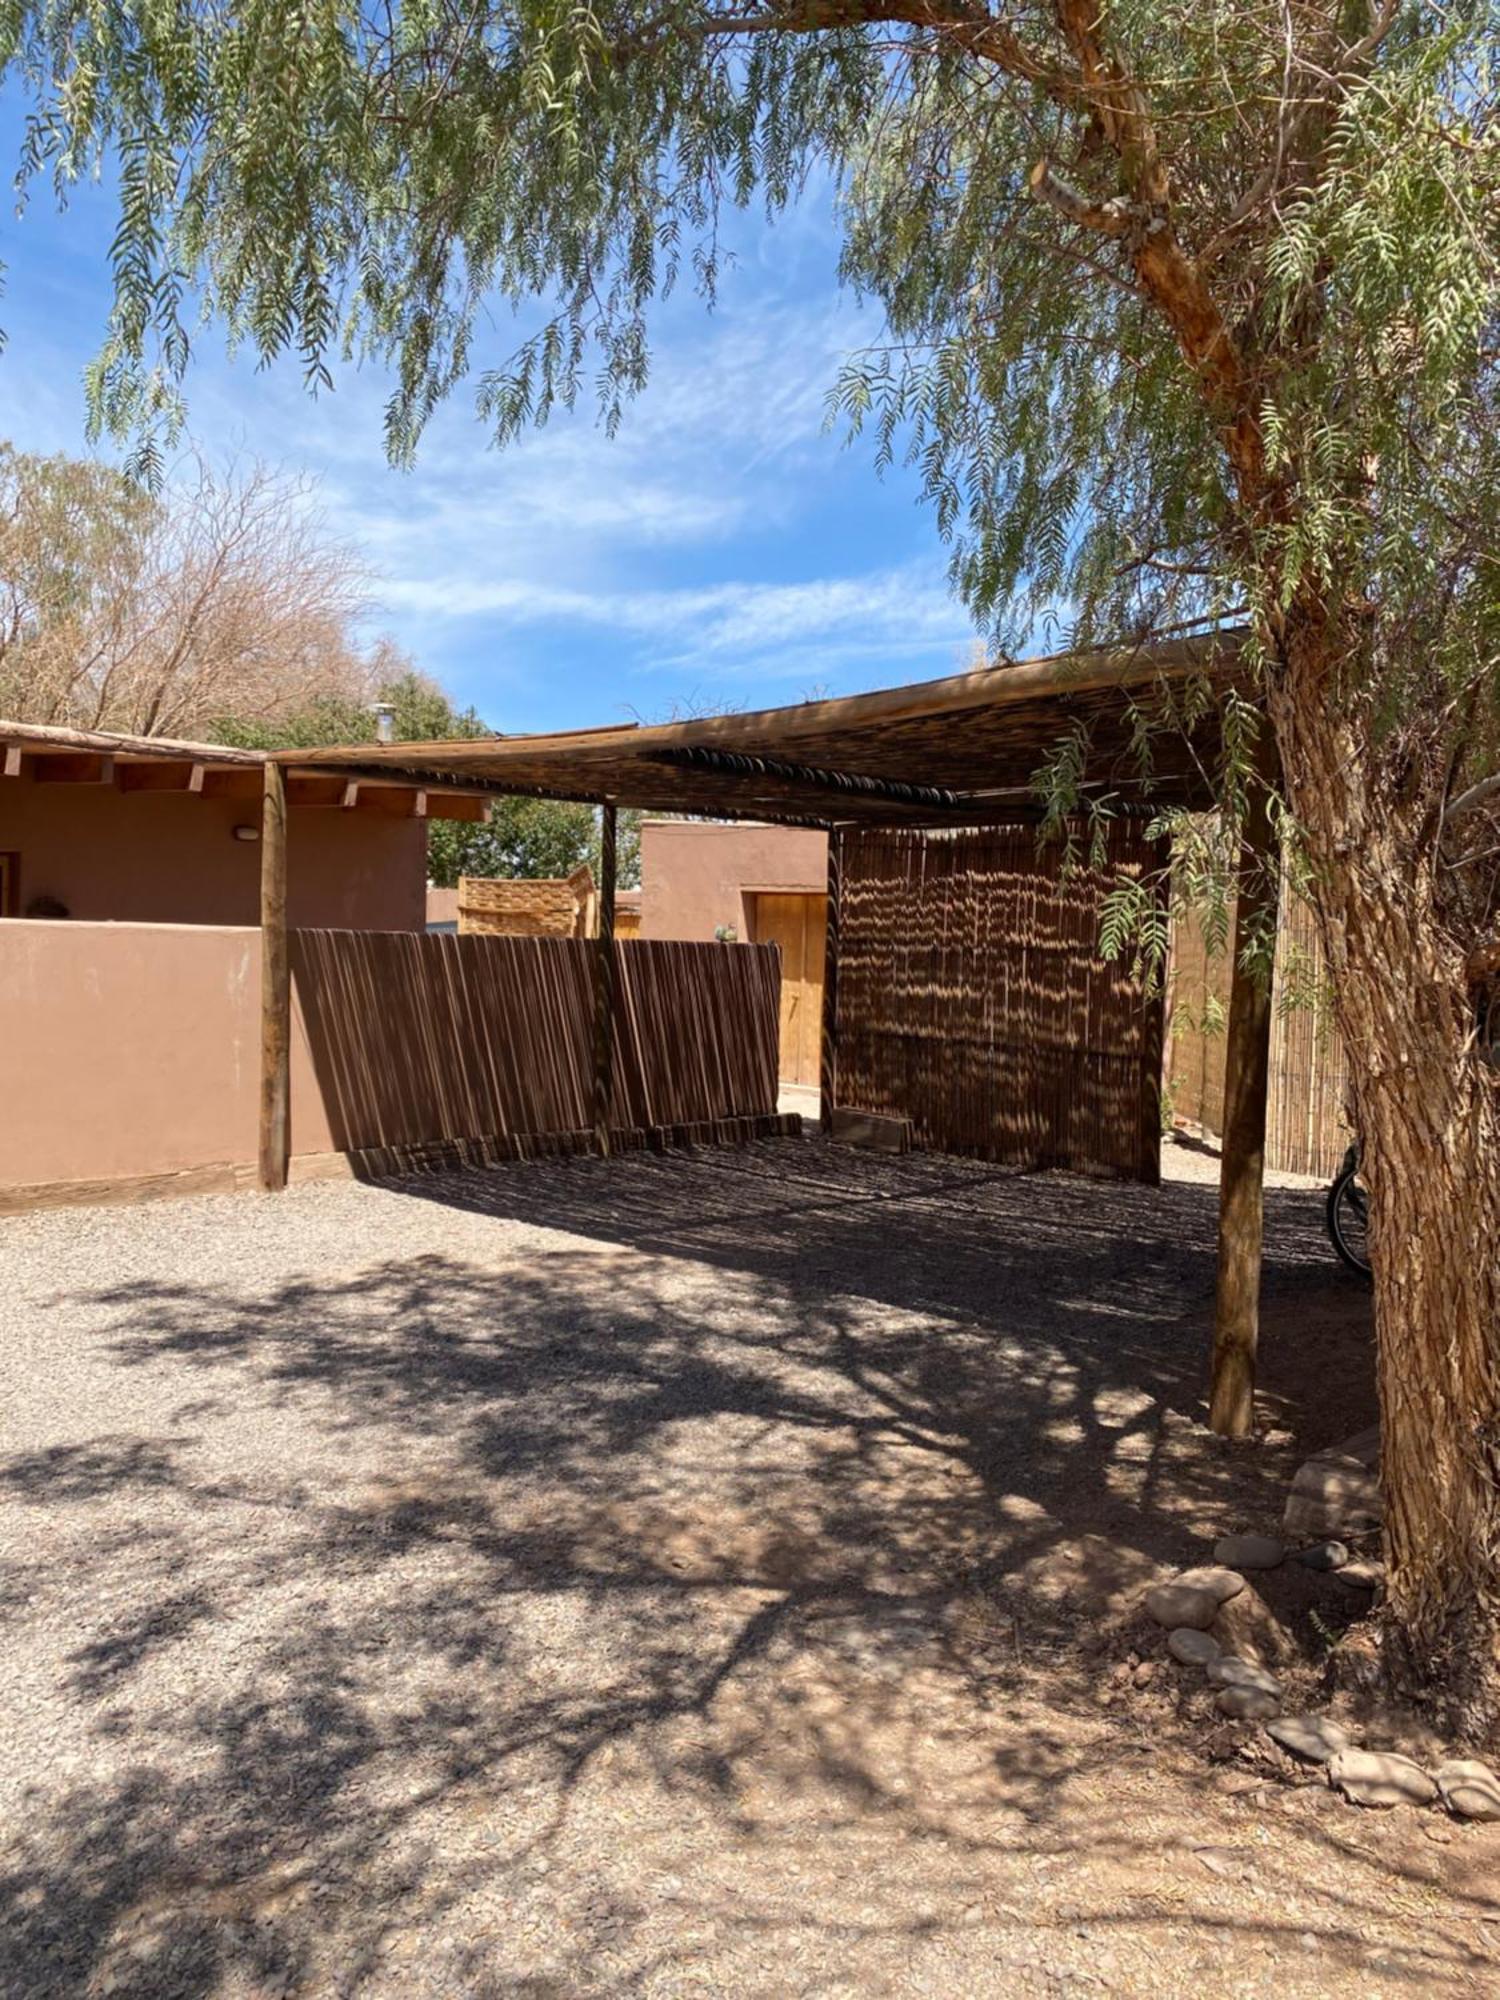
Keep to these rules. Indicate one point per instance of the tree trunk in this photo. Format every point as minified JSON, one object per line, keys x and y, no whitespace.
{"x":1428,"y":1116}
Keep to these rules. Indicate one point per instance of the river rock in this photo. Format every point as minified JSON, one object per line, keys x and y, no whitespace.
{"x":1194,"y":1649}
{"x":1181,"y":1604}
{"x":1380,"y":1778}
{"x":1229,"y":1671}
{"x":1323,"y":1555}
{"x":1469,"y":1790}
{"x":1246,"y":1704}
{"x":1224,"y":1583}
{"x":1337,"y":1491}
{"x":1248,"y":1551}
{"x":1247,"y":1627}
{"x":1364,"y":1575}
{"x":1312,"y":1737}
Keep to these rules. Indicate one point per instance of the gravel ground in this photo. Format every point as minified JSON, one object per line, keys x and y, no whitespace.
{"x":689,"y":1575}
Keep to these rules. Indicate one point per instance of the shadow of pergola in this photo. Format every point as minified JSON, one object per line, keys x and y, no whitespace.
{"x":727,"y":1566}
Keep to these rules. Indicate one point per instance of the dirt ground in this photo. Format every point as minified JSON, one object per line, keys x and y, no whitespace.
{"x":675,"y":1576}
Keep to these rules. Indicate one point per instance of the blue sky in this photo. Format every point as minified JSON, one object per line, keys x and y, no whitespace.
{"x":721,"y":549}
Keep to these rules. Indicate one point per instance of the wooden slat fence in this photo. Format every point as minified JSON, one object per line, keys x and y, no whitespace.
{"x":431,"y":1048}
{"x":1306,"y":1128}
{"x":972,"y":999}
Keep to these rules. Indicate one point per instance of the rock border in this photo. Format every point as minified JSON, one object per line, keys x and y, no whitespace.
{"x":1187,"y":1604}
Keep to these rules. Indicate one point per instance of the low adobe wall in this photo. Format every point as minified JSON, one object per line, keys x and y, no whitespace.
{"x":130,"y":1053}
{"x":133,"y":1050}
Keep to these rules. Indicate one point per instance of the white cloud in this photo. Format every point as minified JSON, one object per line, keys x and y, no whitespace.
{"x":776,"y":629}
{"x":720,"y":534}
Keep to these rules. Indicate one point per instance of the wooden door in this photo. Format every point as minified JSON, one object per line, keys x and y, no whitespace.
{"x":796,"y":921}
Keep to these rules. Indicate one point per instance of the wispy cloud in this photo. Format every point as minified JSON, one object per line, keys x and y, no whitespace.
{"x":720,"y":537}
{"x":741,"y":627}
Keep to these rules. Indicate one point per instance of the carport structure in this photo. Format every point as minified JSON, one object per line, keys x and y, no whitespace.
{"x":958,"y":753}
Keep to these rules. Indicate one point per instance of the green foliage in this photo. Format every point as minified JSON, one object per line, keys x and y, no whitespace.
{"x":1188,"y":307}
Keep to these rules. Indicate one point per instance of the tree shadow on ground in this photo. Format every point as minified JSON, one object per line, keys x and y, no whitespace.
{"x":729,"y":1574}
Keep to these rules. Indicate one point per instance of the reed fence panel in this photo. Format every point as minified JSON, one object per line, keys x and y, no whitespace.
{"x":1306,"y":1126}
{"x":435,"y":1047}
{"x":973,"y":1001}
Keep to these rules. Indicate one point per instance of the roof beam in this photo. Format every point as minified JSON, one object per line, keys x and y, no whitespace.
{"x":850,"y":784}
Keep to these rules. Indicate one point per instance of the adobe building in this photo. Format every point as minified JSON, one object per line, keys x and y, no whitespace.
{"x":109,"y":828}
{"x":703,"y":879}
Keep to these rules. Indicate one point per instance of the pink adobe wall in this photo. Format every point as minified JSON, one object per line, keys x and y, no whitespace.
{"x":98,"y":1078}
{"x":134,"y":1049}
{"x":694,"y":874}
{"x":171,"y":857}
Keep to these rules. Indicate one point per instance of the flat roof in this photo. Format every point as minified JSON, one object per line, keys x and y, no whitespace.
{"x":968,"y":746}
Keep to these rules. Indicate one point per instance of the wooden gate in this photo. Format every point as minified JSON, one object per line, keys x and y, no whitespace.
{"x":972,"y":999}
{"x":797,"y":922}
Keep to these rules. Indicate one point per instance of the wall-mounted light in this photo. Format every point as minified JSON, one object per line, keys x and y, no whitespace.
{"x":247,"y":833}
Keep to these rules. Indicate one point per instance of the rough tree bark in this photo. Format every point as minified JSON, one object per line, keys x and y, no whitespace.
{"x":1428,"y":1115}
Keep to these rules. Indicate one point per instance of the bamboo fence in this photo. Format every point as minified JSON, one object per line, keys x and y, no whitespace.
{"x":972,"y":999}
{"x":430,"y":1048}
{"x":1306,"y":1125}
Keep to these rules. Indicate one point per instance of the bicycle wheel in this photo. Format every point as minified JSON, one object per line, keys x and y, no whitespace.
{"x":1349,"y":1220}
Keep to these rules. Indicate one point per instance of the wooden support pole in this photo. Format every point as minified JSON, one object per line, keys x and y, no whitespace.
{"x":604,"y":983}
{"x":1247,"y":1056}
{"x":275,"y":986}
{"x":828,"y":1048}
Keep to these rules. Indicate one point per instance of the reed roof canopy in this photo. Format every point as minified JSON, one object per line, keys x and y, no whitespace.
{"x":959,"y":750}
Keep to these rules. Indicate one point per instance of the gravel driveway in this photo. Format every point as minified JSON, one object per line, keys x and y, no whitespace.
{"x":685,"y":1575}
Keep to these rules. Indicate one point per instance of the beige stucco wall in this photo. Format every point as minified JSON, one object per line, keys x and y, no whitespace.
{"x":171,"y":857}
{"x":695,"y":875}
{"x":99,"y":1079}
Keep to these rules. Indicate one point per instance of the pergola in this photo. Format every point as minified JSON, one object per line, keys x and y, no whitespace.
{"x":961,"y":751}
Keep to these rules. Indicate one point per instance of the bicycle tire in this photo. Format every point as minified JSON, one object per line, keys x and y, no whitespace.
{"x":1348,"y":1221}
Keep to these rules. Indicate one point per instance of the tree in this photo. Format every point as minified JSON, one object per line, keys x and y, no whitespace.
{"x":526,"y":837}
{"x":148,"y":613}
{"x":1189,"y":308}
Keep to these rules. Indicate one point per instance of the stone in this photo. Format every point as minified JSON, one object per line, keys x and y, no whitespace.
{"x":1247,"y":1704}
{"x":1380,"y":1778}
{"x":1248,"y":1551}
{"x":1469,"y":1790}
{"x":1363,"y":1575}
{"x":1229,"y":1671}
{"x":1224,"y":1583}
{"x":1175,"y":1604}
{"x":1247,"y":1627}
{"x":1311,"y":1737}
{"x":1194,"y":1649}
{"x":1337,"y":1491}
{"x":1323,"y":1555}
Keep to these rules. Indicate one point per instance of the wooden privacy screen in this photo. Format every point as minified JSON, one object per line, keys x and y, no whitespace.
{"x":429,"y":1048}
{"x":1306,"y":1128}
{"x":972,"y":999}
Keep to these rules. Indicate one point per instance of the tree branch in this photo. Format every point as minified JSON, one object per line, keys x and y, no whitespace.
{"x":1111,"y":218}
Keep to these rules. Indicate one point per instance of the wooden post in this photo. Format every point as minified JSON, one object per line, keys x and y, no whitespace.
{"x":1247,"y":1055}
{"x":828,"y":1049}
{"x":275,"y":986}
{"x":604,"y":983}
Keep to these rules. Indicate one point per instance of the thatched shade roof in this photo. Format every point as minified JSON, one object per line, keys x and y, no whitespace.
{"x":965,"y":747}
